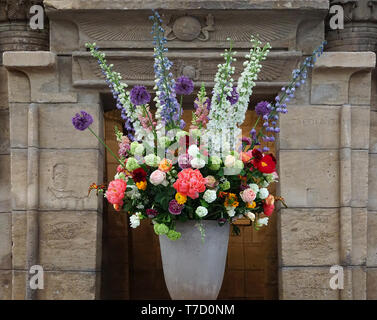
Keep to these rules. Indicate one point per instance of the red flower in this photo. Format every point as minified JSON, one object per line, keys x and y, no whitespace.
{"x":257,"y":155}
{"x":268,"y":209}
{"x":267,"y":164}
{"x":139,"y":175}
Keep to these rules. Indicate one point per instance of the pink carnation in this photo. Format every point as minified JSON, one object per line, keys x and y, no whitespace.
{"x":115,"y":191}
{"x":248,"y":195}
{"x":190,"y":183}
{"x":157,"y":177}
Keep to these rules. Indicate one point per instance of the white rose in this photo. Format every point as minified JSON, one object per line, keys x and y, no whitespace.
{"x":209,"y":196}
{"x":197,"y":163}
{"x":134,"y":221}
{"x":262,"y":222}
{"x":201,"y":211}
{"x":231,"y":211}
{"x":254,"y":187}
{"x":263,"y":193}
{"x":193,"y":150}
{"x":250,"y":215}
{"x":229,"y":161}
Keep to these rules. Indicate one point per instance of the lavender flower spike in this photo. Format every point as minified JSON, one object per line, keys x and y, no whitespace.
{"x":263,"y":108}
{"x":82,"y":121}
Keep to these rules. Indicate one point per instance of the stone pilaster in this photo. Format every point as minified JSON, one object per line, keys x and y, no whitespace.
{"x":324,"y":179}
{"x":54,"y":223}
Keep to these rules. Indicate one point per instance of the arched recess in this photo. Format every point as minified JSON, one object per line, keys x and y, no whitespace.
{"x":132,"y":267}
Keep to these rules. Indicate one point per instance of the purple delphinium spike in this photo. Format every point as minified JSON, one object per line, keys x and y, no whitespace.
{"x":184,"y":86}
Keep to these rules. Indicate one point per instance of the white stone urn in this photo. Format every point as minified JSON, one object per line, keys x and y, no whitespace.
{"x":194,"y":270}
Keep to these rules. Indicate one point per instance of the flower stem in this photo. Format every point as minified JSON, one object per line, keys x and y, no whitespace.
{"x":104,"y":144}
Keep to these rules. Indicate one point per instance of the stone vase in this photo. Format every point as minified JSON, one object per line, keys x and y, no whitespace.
{"x":194,"y":270}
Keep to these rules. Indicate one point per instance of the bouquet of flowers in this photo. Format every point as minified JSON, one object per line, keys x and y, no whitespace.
{"x":211,"y":171}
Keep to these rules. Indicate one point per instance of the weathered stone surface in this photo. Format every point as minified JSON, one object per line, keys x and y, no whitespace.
{"x":69,"y":240}
{"x":196,"y":4}
{"x":360,"y":131}
{"x":5,"y":241}
{"x":359,"y":236}
{"x":360,"y":178}
{"x":317,"y":127}
{"x":372,"y":239}
{"x":355,"y":283}
{"x":19,"y":86}
{"x":61,"y":286}
{"x":65,"y":176}
{"x":56,"y":129}
{"x":18,"y":191}
{"x":18,"y":124}
{"x":372,"y":284}
{"x":372,"y":190}
{"x":356,"y":60}
{"x":4,"y":132}
{"x":5,"y":183}
{"x":342,"y":77}
{"x":19,"y":239}
{"x":3,"y":88}
{"x":373,"y":132}
{"x":306,"y":283}
{"x":360,"y":88}
{"x":5,"y":285}
{"x":309,"y":178}
{"x":309,"y":237}
{"x":29,"y":59}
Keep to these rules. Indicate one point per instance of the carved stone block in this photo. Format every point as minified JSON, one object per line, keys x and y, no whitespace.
{"x":61,"y":285}
{"x":69,"y":240}
{"x":19,"y":239}
{"x":65,"y":176}
{"x":5,"y":241}
{"x":5,"y":203}
{"x":309,"y":237}
{"x":309,"y":178}
{"x":306,"y":283}
{"x":4,"y":132}
{"x":361,"y":123}
{"x":317,"y":127}
{"x":359,"y":236}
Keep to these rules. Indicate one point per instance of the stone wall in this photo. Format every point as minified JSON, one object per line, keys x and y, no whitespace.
{"x":54,"y":222}
{"x":324,"y":178}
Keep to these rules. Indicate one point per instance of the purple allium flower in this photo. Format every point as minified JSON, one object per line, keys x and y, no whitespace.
{"x":184,"y":161}
{"x":234,"y":97}
{"x":184,"y":85}
{"x":263,"y":108}
{"x":175,"y":208}
{"x":82,"y":121}
{"x":151,"y":213}
{"x":139,"y":95}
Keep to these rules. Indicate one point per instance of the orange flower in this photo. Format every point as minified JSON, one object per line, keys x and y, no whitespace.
{"x":116,"y":207}
{"x":251,"y":205}
{"x":270,"y":200}
{"x":141,"y":185}
{"x":165,"y":165}
{"x":231,"y":200}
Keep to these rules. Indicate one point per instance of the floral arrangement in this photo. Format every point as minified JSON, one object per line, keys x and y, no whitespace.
{"x":167,"y":174}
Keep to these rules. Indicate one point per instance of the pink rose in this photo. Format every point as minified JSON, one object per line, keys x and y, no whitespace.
{"x":157,"y":177}
{"x":211,"y":182}
{"x":248,"y":195}
{"x":115,"y":191}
